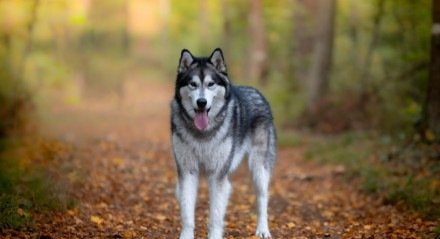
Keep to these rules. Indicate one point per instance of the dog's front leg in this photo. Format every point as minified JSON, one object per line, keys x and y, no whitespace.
{"x":261,"y":178}
{"x":187,"y":196}
{"x":219,"y":191}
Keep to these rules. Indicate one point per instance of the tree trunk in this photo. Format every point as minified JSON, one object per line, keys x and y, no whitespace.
{"x":322,"y":55}
{"x":29,"y":42}
{"x":258,"y":50}
{"x":226,"y":45}
{"x":375,"y":37}
{"x":354,"y":33}
{"x":432,"y":105}
{"x":304,"y":36}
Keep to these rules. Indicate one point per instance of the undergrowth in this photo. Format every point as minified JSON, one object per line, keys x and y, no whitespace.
{"x":437,"y":231}
{"x":27,"y":188}
{"x":402,"y":173}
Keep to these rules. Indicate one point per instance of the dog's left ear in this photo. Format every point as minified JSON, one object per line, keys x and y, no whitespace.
{"x":217,"y":60}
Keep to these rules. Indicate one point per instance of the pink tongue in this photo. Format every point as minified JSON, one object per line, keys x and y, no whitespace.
{"x":201,"y":120}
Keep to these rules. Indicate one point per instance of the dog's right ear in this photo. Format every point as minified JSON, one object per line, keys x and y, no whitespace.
{"x":218,"y":60}
{"x":186,"y":58}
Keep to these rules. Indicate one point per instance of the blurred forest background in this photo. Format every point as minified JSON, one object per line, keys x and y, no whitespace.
{"x":349,"y":78}
{"x":309,"y":56}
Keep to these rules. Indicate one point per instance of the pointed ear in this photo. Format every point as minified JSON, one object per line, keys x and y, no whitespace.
{"x":186,"y":58}
{"x":217,"y":60}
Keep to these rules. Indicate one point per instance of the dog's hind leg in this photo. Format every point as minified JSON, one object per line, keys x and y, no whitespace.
{"x":261,"y":160}
{"x":186,"y":193}
{"x":219,"y":191}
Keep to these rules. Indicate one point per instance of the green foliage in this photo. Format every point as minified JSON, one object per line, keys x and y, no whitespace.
{"x":289,"y":139}
{"x":396,"y":180}
{"x":26,"y":190}
{"x":397,"y":71}
{"x":286,"y":106}
{"x":437,"y":231}
{"x":399,"y":59}
{"x":9,"y":216}
{"x":16,"y":103}
{"x":93,"y":47}
{"x":76,"y":47}
{"x":349,"y":149}
{"x":373,"y":181}
{"x":43,"y":71}
{"x":10,"y":202}
{"x":23,"y":190}
{"x":410,"y":193}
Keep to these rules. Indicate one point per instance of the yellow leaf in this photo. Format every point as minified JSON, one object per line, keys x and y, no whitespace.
{"x":368,"y":227}
{"x":118,"y":161}
{"x":101,"y":205}
{"x":291,"y":225}
{"x":143,"y":228}
{"x":96,"y":219}
{"x":161,"y":217}
{"x":129,"y":234}
{"x":435,"y":184}
{"x":71,"y":212}
{"x":20,"y":211}
{"x":73,"y":176}
{"x":430,"y":136}
{"x":327,"y":213}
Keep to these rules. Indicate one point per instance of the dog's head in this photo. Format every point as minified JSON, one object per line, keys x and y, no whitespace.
{"x":202,"y":86}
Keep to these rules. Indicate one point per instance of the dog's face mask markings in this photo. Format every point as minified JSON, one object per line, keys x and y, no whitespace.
{"x":201,"y":95}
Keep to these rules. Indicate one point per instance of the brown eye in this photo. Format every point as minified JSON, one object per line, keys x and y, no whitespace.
{"x":210,"y":84}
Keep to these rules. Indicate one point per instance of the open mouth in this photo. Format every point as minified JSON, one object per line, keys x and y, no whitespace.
{"x":202,"y":110}
{"x":201,"y":119}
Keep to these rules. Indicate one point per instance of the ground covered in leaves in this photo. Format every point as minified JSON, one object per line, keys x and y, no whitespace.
{"x":117,"y":160}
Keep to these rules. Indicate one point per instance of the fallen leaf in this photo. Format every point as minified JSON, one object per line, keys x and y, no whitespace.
{"x":71,"y":212}
{"x":430,"y":136}
{"x":118,"y":161}
{"x":129,"y":234}
{"x":97,"y":220}
{"x":20,"y":211}
{"x":161,"y":217}
{"x":367,"y":227}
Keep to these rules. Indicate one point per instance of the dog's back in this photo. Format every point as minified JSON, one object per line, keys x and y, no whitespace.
{"x":254,"y":107}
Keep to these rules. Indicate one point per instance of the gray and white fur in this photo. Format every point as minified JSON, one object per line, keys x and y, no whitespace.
{"x":214,"y":125}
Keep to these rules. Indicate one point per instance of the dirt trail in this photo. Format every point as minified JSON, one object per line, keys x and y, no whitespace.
{"x":123,"y":160}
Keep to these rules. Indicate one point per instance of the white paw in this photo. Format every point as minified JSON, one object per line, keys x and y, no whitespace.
{"x":215,"y":233}
{"x":187,"y":233}
{"x":263,"y":233}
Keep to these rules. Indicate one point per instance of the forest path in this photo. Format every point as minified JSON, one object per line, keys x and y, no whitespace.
{"x":125,"y":180}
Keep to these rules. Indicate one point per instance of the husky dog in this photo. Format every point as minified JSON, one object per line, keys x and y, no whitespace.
{"x":214,"y":124}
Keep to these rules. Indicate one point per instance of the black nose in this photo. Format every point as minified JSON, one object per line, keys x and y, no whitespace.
{"x":201,"y":103}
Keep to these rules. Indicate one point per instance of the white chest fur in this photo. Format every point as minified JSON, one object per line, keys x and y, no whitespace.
{"x":209,"y":156}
